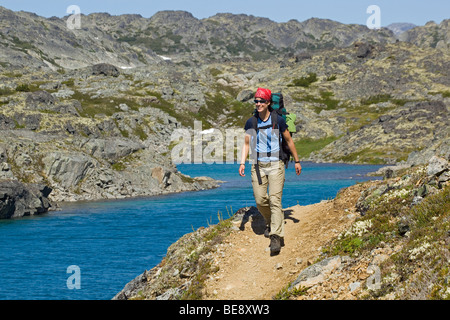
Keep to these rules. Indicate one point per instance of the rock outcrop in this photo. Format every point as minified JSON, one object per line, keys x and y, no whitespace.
{"x":187,"y":259}
{"x":19,"y":200}
{"x":105,"y":69}
{"x":393,"y":135}
{"x":82,"y":168}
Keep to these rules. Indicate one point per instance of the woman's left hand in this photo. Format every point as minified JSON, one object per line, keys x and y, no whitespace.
{"x":298,"y":168}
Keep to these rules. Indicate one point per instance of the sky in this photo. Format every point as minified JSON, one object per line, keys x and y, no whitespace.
{"x":418,"y":12}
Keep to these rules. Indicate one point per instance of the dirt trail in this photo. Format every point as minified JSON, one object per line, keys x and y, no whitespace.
{"x":248,"y":272}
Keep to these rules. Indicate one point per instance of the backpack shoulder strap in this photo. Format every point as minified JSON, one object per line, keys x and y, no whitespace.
{"x":274,"y":116}
{"x":254,"y":120}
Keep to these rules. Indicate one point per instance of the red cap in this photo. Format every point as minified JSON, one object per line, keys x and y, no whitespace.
{"x":265,"y":94}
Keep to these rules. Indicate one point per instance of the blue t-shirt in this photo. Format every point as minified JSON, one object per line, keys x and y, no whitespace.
{"x":267,"y":139}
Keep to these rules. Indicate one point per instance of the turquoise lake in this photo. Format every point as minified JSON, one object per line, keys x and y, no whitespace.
{"x":112,"y":242}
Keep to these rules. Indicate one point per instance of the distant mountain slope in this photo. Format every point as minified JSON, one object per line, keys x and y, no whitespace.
{"x":131,"y":40}
{"x":431,"y":35}
{"x":27,"y":39}
{"x":400,"y":27}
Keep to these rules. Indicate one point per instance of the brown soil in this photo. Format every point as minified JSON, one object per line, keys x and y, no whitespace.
{"x":248,"y":272}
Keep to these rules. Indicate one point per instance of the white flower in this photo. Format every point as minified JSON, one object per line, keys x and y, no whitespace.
{"x":359,"y":228}
{"x":415,"y":252}
{"x":399,"y":193}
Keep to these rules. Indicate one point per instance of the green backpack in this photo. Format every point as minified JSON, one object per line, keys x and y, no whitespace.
{"x":278,"y":105}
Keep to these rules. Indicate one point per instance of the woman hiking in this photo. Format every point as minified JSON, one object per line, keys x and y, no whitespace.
{"x":267,"y":169}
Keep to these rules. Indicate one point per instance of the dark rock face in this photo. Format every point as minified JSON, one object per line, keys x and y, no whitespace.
{"x":105,"y":69}
{"x":363,"y":49}
{"x":134,"y":286}
{"x":40,"y":97}
{"x":19,"y":200}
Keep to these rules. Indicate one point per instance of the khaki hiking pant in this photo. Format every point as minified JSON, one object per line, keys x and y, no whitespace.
{"x":269,"y":203}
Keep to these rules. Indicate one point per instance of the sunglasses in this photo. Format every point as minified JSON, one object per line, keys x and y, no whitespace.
{"x":260,"y":101}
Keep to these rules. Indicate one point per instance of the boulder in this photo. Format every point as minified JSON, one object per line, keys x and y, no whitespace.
{"x":245,"y":95}
{"x":40,"y":97}
{"x":6,"y":123}
{"x":134,"y":287}
{"x":28,"y":121}
{"x":18,"y":199}
{"x":161,"y":176}
{"x":436,"y":166}
{"x":316,"y":273}
{"x":105,"y":69}
{"x":302,"y":56}
{"x":364,"y":49}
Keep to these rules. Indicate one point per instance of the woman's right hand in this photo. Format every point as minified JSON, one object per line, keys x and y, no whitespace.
{"x":242,"y":170}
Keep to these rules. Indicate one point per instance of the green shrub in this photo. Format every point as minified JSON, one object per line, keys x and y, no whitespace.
{"x":376,"y":99}
{"x":23,"y":88}
{"x":305,"y":81}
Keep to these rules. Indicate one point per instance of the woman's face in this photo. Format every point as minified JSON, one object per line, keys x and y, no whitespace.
{"x":261,"y":104}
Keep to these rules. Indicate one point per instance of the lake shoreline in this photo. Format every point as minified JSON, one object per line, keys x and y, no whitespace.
{"x":191,"y":184}
{"x":214,"y":184}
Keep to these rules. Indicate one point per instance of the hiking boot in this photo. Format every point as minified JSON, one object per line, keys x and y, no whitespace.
{"x":267,"y":232}
{"x":275,"y":244}
{"x":281,"y":240}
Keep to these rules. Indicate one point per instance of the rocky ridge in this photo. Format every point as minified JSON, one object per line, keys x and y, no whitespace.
{"x":33,"y":41}
{"x":431,"y":35}
{"x":131,"y":40}
{"x":399,"y":28}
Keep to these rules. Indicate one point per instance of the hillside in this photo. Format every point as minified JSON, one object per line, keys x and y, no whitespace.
{"x":382,"y":240}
